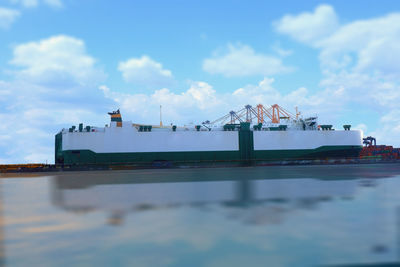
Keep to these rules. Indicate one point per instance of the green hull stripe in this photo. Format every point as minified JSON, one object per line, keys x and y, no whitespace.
{"x":87,"y":156}
{"x":58,"y":148}
{"x":322,"y":152}
{"x":90,"y":157}
{"x":246,"y":145}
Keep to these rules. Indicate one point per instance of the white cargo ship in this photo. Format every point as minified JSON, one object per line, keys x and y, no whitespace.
{"x":248,"y":135}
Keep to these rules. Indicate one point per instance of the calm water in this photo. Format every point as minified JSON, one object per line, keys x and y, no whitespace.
{"x":262,"y":216}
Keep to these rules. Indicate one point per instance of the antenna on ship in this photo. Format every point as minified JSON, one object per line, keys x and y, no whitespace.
{"x":297,"y":113}
{"x":161,"y":116}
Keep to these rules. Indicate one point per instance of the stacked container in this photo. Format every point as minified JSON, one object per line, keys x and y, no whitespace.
{"x":380,"y":152}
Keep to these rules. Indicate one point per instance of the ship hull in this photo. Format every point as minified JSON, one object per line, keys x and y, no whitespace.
{"x":168,"y":148}
{"x":88,"y":157}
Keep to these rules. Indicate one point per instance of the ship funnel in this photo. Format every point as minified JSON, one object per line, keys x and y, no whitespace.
{"x":116,"y":116}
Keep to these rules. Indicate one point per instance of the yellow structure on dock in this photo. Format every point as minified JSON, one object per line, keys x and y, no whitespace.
{"x":17,"y":167}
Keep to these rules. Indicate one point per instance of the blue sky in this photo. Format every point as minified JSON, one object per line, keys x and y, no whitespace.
{"x":63,"y":62}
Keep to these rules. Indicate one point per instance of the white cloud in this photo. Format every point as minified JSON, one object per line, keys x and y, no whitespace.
{"x":25,"y":3}
{"x":309,"y":27}
{"x":362,"y":126}
{"x":7,"y":17}
{"x":389,"y":131}
{"x":361,"y":59}
{"x":365,"y":89}
{"x":32,"y":114}
{"x":145,"y":71}
{"x":35,"y":3}
{"x":55,"y":88}
{"x":144,"y":107}
{"x":54,"y":3}
{"x":242,"y":60}
{"x":201,"y":102}
{"x":281,"y":51}
{"x":365,"y":45}
{"x":56,"y":60}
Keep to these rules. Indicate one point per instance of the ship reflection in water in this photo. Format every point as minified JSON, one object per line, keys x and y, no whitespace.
{"x":259,"y":200}
{"x":262,"y":216}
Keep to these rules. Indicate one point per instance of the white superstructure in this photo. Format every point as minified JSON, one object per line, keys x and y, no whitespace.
{"x":127,"y":139}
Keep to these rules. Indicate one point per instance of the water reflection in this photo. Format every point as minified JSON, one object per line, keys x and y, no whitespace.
{"x":260,"y":201}
{"x":264,"y":216}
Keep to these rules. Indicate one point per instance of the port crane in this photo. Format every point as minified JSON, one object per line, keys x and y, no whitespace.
{"x":369,"y":141}
{"x":261,"y":114}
